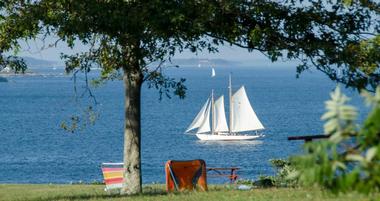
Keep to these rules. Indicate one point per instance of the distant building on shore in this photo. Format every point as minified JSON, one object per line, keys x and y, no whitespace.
{"x":6,"y":70}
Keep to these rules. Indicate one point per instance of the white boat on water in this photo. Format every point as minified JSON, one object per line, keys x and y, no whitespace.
{"x":242,"y":118}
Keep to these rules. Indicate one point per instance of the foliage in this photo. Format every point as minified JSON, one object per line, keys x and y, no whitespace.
{"x":350,"y":158}
{"x":75,"y":122}
{"x":15,"y":63}
{"x":265,"y":181}
{"x":284,"y":169}
{"x":339,"y":38}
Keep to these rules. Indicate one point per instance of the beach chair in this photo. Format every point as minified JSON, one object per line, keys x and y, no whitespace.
{"x":186,"y":175}
{"x":113,"y":176}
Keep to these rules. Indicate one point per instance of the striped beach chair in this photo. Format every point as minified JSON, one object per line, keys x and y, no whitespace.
{"x":113,"y":176}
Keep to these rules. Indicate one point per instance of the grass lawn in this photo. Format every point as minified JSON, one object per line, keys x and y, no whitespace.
{"x":9,"y":192}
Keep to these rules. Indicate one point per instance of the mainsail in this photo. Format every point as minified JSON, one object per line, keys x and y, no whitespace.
{"x":200,"y":118}
{"x":243,"y":116}
{"x":220,"y":115}
{"x":205,"y":124}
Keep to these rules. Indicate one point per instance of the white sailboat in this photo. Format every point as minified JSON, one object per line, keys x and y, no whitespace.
{"x":242,"y":118}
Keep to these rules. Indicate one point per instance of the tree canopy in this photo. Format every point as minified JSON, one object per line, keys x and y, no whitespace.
{"x":339,"y":38}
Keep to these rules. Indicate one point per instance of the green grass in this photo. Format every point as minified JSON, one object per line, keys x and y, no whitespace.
{"x":9,"y":192}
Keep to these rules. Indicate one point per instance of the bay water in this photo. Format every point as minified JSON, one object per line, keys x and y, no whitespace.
{"x":35,"y":149}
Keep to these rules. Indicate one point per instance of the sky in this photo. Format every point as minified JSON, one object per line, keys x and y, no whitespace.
{"x":36,"y":49}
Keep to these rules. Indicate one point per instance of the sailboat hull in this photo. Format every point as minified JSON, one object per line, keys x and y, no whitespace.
{"x":227,"y":137}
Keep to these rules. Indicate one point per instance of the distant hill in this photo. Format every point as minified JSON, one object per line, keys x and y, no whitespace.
{"x":34,"y":63}
{"x":39,"y":63}
{"x":203,"y":62}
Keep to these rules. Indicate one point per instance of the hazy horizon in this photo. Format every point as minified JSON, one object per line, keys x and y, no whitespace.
{"x":36,"y":49}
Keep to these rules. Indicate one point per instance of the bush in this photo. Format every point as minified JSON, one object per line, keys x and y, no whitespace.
{"x":281,"y":179}
{"x":350,"y":159}
{"x":284,"y":170}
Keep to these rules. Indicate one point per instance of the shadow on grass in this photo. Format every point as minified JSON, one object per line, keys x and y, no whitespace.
{"x":146,"y":193}
{"x":74,"y":197}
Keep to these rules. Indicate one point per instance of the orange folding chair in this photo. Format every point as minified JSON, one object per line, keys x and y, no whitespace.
{"x":186,"y":175}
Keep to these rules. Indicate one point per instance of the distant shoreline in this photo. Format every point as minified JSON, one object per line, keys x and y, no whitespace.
{"x":10,"y":75}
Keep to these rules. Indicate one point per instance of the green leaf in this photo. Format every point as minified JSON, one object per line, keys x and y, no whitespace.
{"x":331,"y":126}
{"x":328,"y":115}
{"x":371,"y":152}
{"x":337,"y":137}
{"x":355,"y":157}
{"x":338,"y":164}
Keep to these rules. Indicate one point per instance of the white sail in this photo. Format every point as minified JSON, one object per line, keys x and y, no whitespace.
{"x":243,"y":116}
{"x":213,"y":72}
{"x":198,"y":120}
{"x":220,"y":115}
{"x":205,"y":125}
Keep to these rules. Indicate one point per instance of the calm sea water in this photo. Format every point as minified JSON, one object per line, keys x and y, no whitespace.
{"x":34,"y":149}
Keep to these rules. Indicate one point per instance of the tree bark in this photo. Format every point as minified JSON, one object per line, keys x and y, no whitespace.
{"x":132,"y":133}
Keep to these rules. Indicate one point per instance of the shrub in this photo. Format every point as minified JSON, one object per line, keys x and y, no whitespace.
{"x":283,"y":171}
{"x":350,"y":158}
{"x":281,"y":179}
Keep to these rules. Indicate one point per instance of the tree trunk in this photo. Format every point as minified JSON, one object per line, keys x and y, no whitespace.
{"x":132,"y":133}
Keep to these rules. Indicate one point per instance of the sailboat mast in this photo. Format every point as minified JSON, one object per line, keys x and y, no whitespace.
{"x":230,"y":101}
{"x":212,"y":113}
